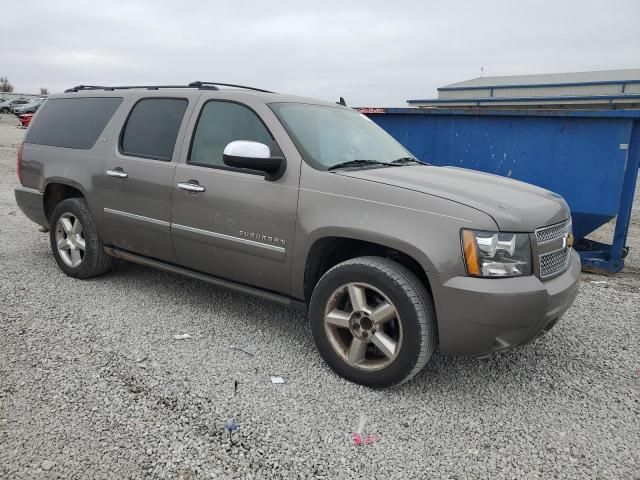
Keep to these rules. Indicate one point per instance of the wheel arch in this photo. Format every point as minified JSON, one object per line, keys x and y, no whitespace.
{"x":328,"y":251}
{"x":57,"y":190}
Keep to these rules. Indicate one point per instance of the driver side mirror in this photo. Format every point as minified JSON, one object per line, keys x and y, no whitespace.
{"x":253,"y":156}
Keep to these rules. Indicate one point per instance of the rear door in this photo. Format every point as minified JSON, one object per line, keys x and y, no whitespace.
{"x":233,"y":223}
{"x":139,"y":175}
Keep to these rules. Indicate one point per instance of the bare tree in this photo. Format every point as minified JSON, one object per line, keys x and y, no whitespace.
{"x":44,"y":91}
{"x":5,"y":85}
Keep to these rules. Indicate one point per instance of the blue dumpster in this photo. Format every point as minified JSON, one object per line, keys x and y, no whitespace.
{"x":589,"y":157}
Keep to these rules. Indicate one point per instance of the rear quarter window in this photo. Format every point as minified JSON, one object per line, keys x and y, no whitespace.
{"x":72,"y":122}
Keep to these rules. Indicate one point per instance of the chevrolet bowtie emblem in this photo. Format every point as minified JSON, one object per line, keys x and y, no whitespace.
{"x":568,"y":240}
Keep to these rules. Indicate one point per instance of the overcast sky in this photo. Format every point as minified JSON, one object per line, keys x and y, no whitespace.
{"x":374,"y":53}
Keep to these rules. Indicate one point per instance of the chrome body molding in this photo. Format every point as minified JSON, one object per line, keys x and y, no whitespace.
{"x":231,"y":238}
{"x":238,"y":244}
{"x":245,"y":245}
{"x":133,"y":216}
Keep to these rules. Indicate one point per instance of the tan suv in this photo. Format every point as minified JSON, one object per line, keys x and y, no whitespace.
{"x":304,"y":203}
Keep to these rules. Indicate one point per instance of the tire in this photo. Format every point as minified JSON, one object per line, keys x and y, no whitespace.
{"x":371,"y":283}
{"x":92,"y":259}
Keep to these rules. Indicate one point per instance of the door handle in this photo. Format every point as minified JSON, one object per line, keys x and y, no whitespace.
{"x":117,"y":173}
{"x":191,"y":187}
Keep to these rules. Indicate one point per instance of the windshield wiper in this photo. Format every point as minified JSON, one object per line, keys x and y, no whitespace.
{"x":356,"y":163}
{"x":405,"y":160}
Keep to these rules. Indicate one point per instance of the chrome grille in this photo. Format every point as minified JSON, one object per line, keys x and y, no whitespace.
{"x":552,"y":232}
{"x":554,"y":262}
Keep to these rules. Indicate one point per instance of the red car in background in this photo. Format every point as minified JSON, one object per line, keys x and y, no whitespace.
{"x":25,"y":119}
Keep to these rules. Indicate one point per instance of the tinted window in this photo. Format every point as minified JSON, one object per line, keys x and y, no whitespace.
{"x":152,"y":128}
{"x":221,"y":123}
{"x":72,"y":122}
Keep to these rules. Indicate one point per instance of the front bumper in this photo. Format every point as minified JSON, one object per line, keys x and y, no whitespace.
{"x":30,"y":201}
{"x":478,"y":316}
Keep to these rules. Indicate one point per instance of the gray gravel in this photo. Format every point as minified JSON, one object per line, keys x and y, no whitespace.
{"x":93,"y":383}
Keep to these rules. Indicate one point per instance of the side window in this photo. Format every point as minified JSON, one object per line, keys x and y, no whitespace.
{"x":72,"y":122}
{"x":152,"y":128}
{"x":221,"y":123}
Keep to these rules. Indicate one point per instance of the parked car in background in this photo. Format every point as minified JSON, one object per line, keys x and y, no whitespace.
{"x":18,"y":106}
{"x":8,"y":105}
{"x":25,"y":120}
{"x":30,"y":107}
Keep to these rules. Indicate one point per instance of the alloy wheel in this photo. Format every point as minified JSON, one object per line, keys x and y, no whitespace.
{"x":70,"y":240}
{"x":363,"y":326}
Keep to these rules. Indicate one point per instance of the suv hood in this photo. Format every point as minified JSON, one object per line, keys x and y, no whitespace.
{"x":515,"y":206}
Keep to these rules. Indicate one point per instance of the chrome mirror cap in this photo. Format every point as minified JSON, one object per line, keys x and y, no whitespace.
{"x":247,"y":149}
{"x":255,"y":156}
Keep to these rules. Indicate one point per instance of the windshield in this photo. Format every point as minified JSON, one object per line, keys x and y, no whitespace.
{"x":329,"y":136}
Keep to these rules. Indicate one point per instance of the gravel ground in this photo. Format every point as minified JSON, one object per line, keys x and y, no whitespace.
{"x":93,"y":383}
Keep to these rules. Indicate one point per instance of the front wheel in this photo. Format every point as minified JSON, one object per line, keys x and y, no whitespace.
{"x":373,"y":321}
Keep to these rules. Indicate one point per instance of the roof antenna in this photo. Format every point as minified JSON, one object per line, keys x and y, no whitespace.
{"x":342,"y":102}
{"x":481,"y":71}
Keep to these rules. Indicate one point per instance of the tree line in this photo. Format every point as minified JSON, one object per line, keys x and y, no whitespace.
{"x":7,"y":87}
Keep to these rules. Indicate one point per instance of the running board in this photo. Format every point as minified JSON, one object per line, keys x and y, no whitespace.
{"x":239,"y":287}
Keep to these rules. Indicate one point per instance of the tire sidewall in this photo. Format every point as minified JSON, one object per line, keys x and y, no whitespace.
{"x":412,"y":333}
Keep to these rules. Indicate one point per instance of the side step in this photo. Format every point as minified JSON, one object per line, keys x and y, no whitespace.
{"x":239,"y":287}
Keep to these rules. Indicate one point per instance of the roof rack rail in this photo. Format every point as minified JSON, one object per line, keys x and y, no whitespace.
{"x":199,"y":85}
{"x":208,"y":84}
{"x":125,"y":87}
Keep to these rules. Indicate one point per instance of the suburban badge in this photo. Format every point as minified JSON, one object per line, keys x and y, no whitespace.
{"x":260,"y":237}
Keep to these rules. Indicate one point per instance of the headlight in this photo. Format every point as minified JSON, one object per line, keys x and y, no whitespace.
{"x":496,"y":254}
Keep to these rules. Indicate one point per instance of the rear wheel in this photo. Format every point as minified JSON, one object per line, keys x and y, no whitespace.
{"x":75,"y":242}
{"x":373,"y":321}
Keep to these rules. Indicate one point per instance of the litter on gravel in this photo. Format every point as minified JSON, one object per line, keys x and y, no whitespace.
{"x":248,"y":349}
{"x":183,"y":336}
{"x":362,"y":421}
{"x":360,"y":440}
{"x":277,"y":380}
{"x":231,"y":426}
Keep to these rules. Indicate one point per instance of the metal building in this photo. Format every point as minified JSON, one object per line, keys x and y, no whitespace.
{"x":607,"y":89}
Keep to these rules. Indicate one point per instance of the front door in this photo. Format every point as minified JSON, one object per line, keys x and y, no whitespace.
{"x":227,"y":222}
{"x":139,"y":179}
